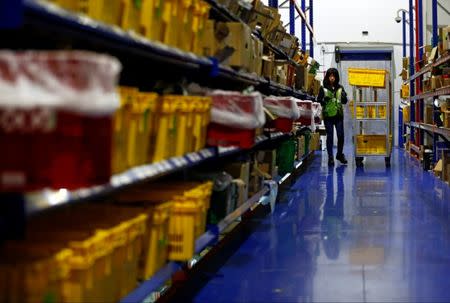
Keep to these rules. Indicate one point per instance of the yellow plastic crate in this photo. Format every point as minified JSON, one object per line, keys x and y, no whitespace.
{"x":200,"y":17}
{"x":120,"y":130}
{"x":184,"y":109}
{"x":367,"y":77}
{"x":140,"y":128}
{"x":182,"y":230}
{"x":170,"y":22}
{"x":166,"y":132}
{"x":371,"y":144}
{"x":132,"y":11}
{"x":91,"y":8}
{"x":406,"y":114}
{"x":156,"y":241}
{"x":404,"y":91}
{"x":106,"y":250}
{"x":32,"y":272}
{"x":359,"y":110}
{"x":151,"y":19}
{"x":185,"y":23}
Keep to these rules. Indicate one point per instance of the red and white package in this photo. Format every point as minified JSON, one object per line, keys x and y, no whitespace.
{"x":285,"y":107}
{"x":237,"y":110}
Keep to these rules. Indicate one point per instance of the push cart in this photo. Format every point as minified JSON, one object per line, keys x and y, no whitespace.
{"x":371,"y":113}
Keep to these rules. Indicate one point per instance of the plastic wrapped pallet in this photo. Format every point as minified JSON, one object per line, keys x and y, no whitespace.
{"x":234,"y":118}
{"x":59,"y":105}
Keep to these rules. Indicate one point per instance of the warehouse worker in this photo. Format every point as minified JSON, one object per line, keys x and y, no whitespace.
{"x":332,"y":96}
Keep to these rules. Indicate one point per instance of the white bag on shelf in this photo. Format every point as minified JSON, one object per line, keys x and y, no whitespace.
{"x":285,"y":107}
{"x":233,"y":109}
{"x":77,"y":81}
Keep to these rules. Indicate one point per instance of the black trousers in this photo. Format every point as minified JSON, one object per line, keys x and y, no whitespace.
{"x":330,"y":124}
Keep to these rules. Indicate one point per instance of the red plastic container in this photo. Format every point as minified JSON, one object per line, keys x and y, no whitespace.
{"x":306,"y":112}
{"x":234,"y":120}
{"x":220,"y":135}
{"x":67,"y":151}
{"x":284,"y":125}
{"x":56,"y":129}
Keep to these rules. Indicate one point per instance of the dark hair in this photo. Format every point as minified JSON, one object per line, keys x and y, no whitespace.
{"x":335,"y":73}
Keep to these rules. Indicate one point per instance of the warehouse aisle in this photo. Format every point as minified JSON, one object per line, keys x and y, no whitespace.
{"x":346,"y":235}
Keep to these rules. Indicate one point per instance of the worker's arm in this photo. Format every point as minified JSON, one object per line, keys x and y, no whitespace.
{"x":320,"y":96}
{"x":344,"y":98}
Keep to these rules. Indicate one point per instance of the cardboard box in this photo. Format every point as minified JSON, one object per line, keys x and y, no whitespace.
{"x":301,"y":78}
{"x":208,"y":44}
{"x":300,"y":147}
{"x":445,"y":39}
{"x":405,"y":62}
{"x":428,"y":114}
{"x":446,"y":121}
{"x":404,"y":74}
{"x":268,"y":67}
{"x":310,"y":83}
{"x":267,"y":161}
{"x":261,"y":16}
{"x":240,"y":171}
{"x":438,"y":168}
{"x":240,"y":40}
{"x":436,"y":82}
{"x":258,"y":47}
{"x":445,"y":165}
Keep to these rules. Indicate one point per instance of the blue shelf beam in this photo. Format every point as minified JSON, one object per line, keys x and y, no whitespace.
{"x":411,"y":65}
{"x":311,"y":21}
{"x":291,"y":18}
{"x":303,"y":27}
{"x":404,"y":32}
{"x":434,"y":12}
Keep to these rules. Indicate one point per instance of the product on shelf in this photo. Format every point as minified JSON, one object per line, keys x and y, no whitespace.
{"x":65,"y":261}
{"x":186,"y":220}
{"x":240,"y":171}
{"x":306,"y":113}
{"x":317,"y":110}
{"x":286,"y":154}
{"x":285,"y":110}
{"x":56,"y":110}
{"x":234,"y":118}
{"x":267,"y":160}
{"x":181,"y":125}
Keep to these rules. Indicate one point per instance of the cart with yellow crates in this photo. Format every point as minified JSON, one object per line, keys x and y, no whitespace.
{"x":371,"y":113}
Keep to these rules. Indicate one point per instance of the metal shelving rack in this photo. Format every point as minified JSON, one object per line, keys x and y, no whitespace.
{"x":417,"y":96}
{"x":27,"y":16}
{"x":362,"y":122}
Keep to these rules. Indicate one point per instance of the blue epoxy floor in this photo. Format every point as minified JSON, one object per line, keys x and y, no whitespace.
{"x":347,"y":235}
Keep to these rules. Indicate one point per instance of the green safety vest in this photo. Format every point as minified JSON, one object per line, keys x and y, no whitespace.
{"x":333,"y":106}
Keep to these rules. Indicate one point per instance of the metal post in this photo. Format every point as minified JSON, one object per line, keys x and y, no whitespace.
{"x":421,"y":44}
{"x":435,"y":23}
{"x":404,"y":33}
{"x":411,"y":65}
{"x":273,"y":3}
{"x":292,"y":18}
{"x":421,"y":51}
{"x":303,"y":27}
{"x":311,"y":22}
{"x":400,"y":127}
